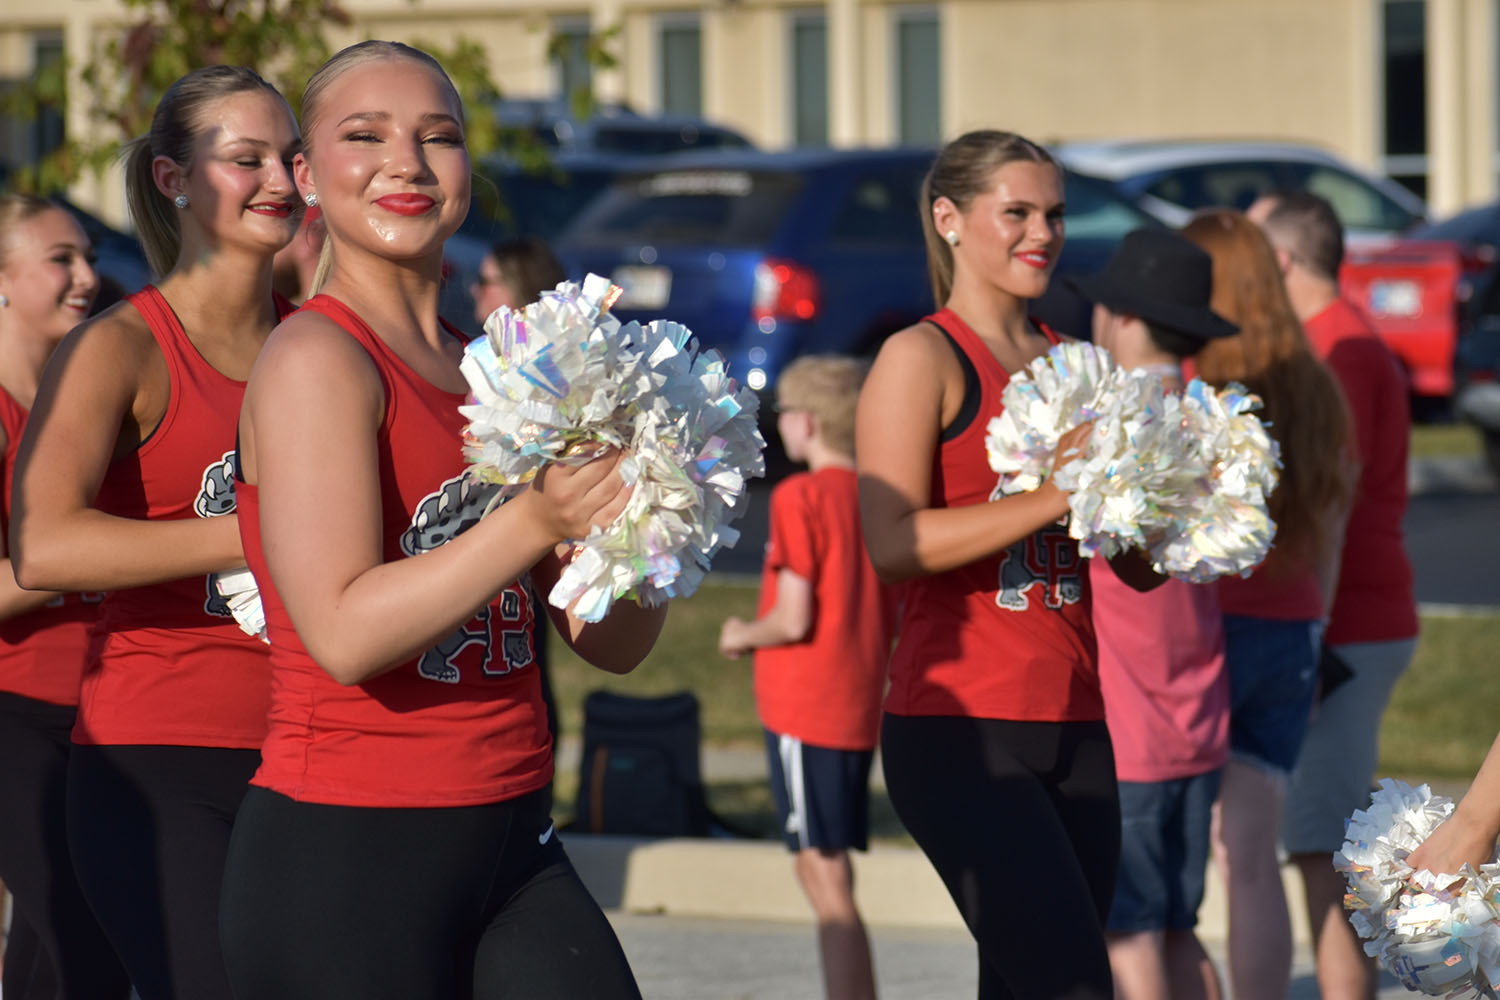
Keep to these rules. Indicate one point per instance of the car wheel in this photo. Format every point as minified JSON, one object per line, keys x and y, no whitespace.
{"x":1492,"y":452}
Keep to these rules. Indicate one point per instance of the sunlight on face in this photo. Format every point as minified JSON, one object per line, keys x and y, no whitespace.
{"x":48,"y":278}
{"x":1013,"y":232}
{"x":388,"y":161}
{"x":239,"y":187}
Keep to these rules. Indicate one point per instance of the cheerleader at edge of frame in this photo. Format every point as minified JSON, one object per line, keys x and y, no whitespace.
{"x":55,"y":946}
{"x":123,"y":485}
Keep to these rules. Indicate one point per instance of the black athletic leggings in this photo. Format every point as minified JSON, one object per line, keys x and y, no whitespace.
{"x":56,"y":948}
{"x":149,"y":828}
{"x":1022,"y":822}
{"x":353,"y":903}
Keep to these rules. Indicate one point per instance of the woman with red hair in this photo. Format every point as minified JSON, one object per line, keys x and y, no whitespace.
{"x":1272,"y":619}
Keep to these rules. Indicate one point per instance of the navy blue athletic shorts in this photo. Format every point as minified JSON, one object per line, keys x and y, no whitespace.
{"x":822,"y":795}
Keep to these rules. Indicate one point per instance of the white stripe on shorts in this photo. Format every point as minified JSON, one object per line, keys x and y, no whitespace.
{"x":790,"y":749}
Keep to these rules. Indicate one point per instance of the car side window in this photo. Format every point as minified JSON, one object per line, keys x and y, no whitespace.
{"x":1358,"y":204}
{"x":1226,"y":185}
{"x":1095,"y":211}
{"x":881,"y":210}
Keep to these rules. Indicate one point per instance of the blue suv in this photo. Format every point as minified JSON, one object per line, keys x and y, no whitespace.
{"x":766,"y":256}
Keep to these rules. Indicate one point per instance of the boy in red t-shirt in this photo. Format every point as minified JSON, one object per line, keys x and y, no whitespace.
{"x":821,"y":640}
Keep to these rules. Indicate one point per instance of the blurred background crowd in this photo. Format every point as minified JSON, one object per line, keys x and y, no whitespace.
{"x":750,"y":168}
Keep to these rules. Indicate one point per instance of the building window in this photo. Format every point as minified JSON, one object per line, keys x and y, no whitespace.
{"x":918,"y":96}
{"x":570,"y":58}
{"x":809,"y":79}
{"x":1404,"y":50}
{"x":681,"y":66}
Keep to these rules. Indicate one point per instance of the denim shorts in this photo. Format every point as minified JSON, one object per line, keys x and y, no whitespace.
{"x":1163,"y":852}
{"x":1273,"y":676}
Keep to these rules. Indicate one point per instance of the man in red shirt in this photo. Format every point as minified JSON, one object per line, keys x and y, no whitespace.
{"x":822,"y":639}
{"x":1372,"y":629}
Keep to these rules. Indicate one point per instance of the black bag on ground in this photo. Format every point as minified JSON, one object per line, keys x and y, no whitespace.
{"x":640,"y":773}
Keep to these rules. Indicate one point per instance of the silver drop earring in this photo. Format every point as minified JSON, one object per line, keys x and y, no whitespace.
{"x":180,"y":201}
{"x":312,"y":199}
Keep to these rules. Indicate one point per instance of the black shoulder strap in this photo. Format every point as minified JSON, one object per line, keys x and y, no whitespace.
{"x":969,"y":408}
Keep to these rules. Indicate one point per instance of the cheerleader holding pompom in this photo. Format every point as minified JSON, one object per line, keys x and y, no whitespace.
{"x":396,"y":842}
{"x":995,"y":748}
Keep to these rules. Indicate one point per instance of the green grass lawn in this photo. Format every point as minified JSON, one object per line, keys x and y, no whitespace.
{"x":1446,"y":709}
{"x":1445,"y":440}
{"x":686,"y":657}
{"x":1441,"y":720}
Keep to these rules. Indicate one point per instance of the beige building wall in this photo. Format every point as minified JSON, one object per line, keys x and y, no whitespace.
{"x":1461,"y":102}
{"x":1086,"y":69}
{"x":1302,"y":70}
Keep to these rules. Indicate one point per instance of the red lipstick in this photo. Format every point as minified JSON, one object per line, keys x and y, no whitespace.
{"x":280,"y":209}
{"x":406,"y":204}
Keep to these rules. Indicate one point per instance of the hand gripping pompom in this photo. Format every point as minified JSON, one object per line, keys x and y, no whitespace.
{"x":563,"y":376}
{"x":1183,"y":477}
{"x":1437,"y":935}
{"x":240,"y":592}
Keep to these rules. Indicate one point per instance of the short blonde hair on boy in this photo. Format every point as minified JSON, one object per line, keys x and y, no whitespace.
{"x":826,"y":386}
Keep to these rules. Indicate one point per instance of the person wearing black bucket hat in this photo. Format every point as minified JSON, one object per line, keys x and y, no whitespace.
{"x":994,"y":677}
{"x":1161,"y":655}
{"x":1161,"y":278}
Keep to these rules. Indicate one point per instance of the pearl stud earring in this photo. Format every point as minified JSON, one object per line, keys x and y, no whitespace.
{"x":952,"y":237}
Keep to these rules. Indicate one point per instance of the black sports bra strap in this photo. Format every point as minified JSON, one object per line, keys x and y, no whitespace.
{"x":969,"y":408}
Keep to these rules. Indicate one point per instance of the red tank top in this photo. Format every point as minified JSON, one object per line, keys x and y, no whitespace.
{"x":169,"y":666}
{"x":464,"y":723}
{"x":1009,"y":636}
{"x":42,"y":651}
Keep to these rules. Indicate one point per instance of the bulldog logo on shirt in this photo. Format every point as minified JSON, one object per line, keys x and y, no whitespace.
{"x":215,"y":499}
{"x":1047,"y":563}
{"x":441,"y":516}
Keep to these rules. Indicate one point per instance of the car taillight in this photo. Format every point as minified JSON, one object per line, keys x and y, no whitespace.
{"x":784,"y":291}
{"x":1476,"y":257}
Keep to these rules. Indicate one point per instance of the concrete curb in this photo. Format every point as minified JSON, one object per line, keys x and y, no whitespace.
{"x":753,"y":880}
{"x":1449,"y":474}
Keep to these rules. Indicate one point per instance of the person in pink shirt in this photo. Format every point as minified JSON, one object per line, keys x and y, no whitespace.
{"x":1161,"y":656}
{"x":1372,"y":626}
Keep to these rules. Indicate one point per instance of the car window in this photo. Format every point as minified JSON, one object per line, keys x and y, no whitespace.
{"x":1096,"y":211}
{"x":881,"y":210}
{"x":525,"y":203}
{"x":722,"y":207}
{"x":1358,"y":203}
{"x":670,"y":139}
{"x":1229,"y":185}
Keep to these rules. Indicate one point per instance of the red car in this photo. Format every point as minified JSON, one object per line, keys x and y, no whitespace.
{"x":1409,"y":290}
